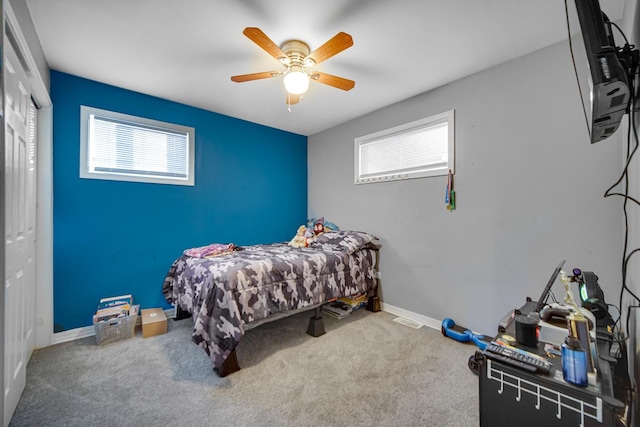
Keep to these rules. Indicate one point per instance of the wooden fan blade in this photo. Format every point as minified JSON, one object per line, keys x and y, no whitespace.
{"x":293,"y":98}
{"x":261,"y":39}
{"x":255,"y":76}
{"x":335,"y":81}
{"x":332,"y":47}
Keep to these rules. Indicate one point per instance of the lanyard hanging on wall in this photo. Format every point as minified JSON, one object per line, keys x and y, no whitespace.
{"x":450,"y":195}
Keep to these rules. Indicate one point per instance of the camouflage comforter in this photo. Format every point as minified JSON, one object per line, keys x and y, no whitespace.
{"x":227,"y":292}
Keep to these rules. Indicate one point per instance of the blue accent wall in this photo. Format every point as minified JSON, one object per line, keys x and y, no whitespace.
{"x":113,"y":238}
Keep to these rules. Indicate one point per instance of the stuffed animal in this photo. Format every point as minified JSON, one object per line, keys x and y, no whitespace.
{"x":326,"y":225}
{"x":299,"y":240}
{"x":318,"y":227}
{"x":308,"y":233}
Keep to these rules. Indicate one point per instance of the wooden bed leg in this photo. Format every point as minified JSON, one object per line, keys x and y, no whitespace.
{"x":316,"y":324}
{"x":373,"y":303}
{"x":181,"y":314}
{"x":229,"y":366}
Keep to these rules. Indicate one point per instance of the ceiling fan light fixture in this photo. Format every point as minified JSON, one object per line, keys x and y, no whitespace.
{"x":297,"y":58}
{"x":296,"y":82}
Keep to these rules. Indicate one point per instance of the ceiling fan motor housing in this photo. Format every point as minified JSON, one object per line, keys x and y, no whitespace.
{"x":296,"y":51}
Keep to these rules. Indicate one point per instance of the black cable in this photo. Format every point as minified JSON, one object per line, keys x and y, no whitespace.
{"x":631,"y":389}
{"x":625,"y":193}
{"x":617,"y":309}
{"x":626,"y":262}
{"x":626,"y":41}
{"x":624,"y":196}
{"x":628,"y":49}
{"x":628,"y":255}
{"x":629,"y":57}
{"x":631,"y":74}
{"x":629,"y":316}
{"x":626,"y":166}
{"x":630,"y":153}
{"x":609,"y":339}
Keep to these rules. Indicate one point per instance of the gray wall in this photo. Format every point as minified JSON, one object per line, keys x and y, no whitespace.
{"x":529,"y":192}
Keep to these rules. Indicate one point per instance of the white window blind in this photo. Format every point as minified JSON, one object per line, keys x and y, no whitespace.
{"x":413,"y":150}
{"x":121,"y":147}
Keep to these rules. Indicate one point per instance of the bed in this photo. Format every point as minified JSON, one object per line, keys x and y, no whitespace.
{"x":232,"y":292}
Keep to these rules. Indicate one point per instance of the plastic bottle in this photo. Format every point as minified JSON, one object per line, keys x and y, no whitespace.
{"x":574,"y":362}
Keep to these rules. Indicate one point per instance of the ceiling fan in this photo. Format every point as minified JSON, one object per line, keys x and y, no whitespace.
{"x":295,"y":56}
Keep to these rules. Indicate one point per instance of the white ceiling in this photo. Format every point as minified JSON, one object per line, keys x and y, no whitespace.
{"x":187,"y":50}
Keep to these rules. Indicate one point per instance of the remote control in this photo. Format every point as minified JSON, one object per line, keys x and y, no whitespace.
{"x":519,"y":359}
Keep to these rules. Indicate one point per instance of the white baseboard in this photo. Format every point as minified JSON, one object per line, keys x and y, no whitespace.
{"x":90,"y":331}
{"x":419,"y":318}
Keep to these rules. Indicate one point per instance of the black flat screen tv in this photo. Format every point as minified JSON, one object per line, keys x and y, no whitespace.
{"x":607,"y":93}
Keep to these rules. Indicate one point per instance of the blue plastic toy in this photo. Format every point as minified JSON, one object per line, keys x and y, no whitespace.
{"x":451,"y":330}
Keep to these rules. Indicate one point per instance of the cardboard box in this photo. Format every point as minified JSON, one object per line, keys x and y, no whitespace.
{"x":154,"y":322}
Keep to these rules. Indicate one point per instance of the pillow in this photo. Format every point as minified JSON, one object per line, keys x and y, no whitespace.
{"x":347,"y":241}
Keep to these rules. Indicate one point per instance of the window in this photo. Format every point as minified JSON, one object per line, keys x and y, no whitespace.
{"x":414,"y":150}
{"x":120,"y":147}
